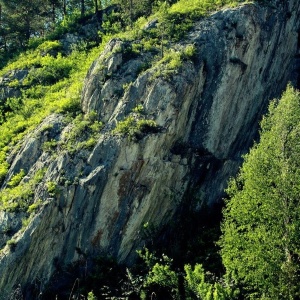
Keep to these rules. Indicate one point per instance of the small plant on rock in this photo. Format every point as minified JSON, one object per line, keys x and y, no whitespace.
{"x":16,"y":179}
{"x":52,"y":188}
{"x":135,"y":128}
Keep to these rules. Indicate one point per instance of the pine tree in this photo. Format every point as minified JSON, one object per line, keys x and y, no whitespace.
{"x":23,"y":19}
{"x":134,"y":9}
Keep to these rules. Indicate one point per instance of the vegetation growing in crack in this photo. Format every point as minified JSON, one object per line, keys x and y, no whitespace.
{"x":53,"y":85}
{"x":19,"y":197}
{"x":135,"y":126}
{"x":54,"y":79}
{"x":84,"y":133}
{"x":172,"y":62}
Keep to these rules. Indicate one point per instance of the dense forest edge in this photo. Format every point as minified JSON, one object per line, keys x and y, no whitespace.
{"x":253,"y":254}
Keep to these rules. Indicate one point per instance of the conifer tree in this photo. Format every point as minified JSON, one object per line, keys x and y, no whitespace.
{"x":23,"y":19}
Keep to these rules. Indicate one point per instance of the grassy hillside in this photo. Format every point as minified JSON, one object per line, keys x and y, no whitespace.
{"x":55,"y":78}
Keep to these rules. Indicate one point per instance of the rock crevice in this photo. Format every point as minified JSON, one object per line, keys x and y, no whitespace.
{"x":208,"y":114}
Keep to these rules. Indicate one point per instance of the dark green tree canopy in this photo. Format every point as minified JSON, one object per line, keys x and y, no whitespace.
{"x":21,"y":20}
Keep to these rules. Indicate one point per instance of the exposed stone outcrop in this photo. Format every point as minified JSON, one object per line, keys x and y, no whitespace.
{"x":7,"y":88}
{"x":207,"y":115}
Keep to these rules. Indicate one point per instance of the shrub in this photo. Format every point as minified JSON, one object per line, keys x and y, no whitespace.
{"x":33,"y":207}
{"x":197,"y":283}
{"x":91,"y":296}
{"x":125,"y":127}
{"x":47,"y":46}
{"x":16,"y":179}
{"x":49,"y":146}
{"x":189,"y":52}
{"x":52,"y":188}
{"x":52,"y":70}
{"x":12,"y":243}
{"x":83,"y":134}
{"x":138,"y":109}
{"x":134,"y":128}
{"x":3,"y":170}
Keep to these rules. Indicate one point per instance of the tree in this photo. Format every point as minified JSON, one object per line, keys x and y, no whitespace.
{"x":64,"y":7}
{"x":261,"y":228}
{"x":23,"y":19}
{"x":54,"y":5}
{"x":202,"y":288}
{"x":96,"y":6}
{"x":3,"y":30}
{"x":134,"y":9}
{"x":78,"y":6}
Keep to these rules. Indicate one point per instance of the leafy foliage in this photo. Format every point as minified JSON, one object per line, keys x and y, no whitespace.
{"x":83,"y":134}
{"x":19,"y":197}
{"x":261,"y":242}
{"x":135,"y":126}
{"x":198,"y":284}
{"x":16,"y":179}
{"x":53,"y":85}
{"x":52,"y":188}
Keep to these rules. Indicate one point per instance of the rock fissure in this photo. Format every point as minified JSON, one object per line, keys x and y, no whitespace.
{"x":207,"y":113}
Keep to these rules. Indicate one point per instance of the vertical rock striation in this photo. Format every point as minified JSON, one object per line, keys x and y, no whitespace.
{"x":207,"y":116}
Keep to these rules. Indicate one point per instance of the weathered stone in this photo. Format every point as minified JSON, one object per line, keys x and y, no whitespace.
{"x":151,"y":24}
{"x":29,"y":153}
{"x":6,"y":91}
{"x":208,"y":114}
{"x":10,"y":223}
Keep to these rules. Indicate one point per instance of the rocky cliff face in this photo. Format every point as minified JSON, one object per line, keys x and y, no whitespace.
{"x":97,"y":199}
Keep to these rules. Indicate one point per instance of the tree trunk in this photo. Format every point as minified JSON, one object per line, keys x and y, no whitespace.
{"x":131,"y":14}
{"x":96,"y":6}
{"x":82,"y":8}
{"x":53,"y":13}
{"x":64,"y":7}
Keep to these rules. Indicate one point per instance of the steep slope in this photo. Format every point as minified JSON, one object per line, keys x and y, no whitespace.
{"x":186,"y":130}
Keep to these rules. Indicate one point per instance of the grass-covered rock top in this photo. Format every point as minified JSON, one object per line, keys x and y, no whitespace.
{"x":54,"y":78}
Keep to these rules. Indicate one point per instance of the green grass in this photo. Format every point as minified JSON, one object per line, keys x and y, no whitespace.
{"x":39,"y":100}
{"x":20,"y":197}
{"x":54,"y":83}
{"x":196,"y":8}
{"x":84,"y":133}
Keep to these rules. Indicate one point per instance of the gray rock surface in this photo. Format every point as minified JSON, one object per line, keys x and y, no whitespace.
{"x":8,"y":86}
{"x":207,"y":115}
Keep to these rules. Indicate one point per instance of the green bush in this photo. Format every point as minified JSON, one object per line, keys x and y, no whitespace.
{"x":84,"y":133}
{"x":12,"y":243}
{"x":52,"y":188}
{"x":16,"y":179}
{"x":138,"y":109}
{"x":91,"y":296}
{"x":48,"y":46}
{"x":3,"y":170}
{"x":49,"y":146}
{"x":189,"y":52}
{"x":51,"y":71}
{"x":19,"y":195}
{"x":33,"y":207}
{"x":135,"y":128}
{"x":199,"y":285}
